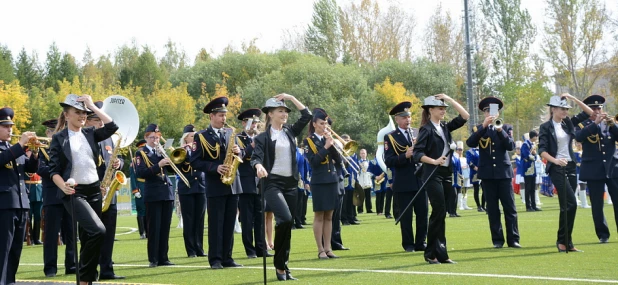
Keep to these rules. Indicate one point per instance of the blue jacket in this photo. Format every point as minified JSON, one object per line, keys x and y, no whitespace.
{"x":472,"y":156}
{"x":303,"y":169}
{"x":456,"y":171}
{"x":527,"y":159}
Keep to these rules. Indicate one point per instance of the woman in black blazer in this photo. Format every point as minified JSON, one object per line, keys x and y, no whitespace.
{"x":72,"y":155}
{"x":274,"y":158}
{"x":432,"y":148}
{"x":324,"y":184}
{"x":556,"y":146}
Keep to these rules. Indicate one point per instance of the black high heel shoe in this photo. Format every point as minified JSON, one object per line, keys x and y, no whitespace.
{"x":331,"y":255}
{"x":289,"y":276}
{"x":559,"y":249}
{"x":432,"y":261}
{"x":281,"y":276}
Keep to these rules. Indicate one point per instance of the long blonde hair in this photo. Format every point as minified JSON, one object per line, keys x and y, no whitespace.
{"x":62,"y":121}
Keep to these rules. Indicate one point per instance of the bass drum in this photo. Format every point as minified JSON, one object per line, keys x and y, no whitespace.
{"x":125,"y":115}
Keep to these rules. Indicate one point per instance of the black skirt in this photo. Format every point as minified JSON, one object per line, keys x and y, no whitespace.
{"x":324,"y":196}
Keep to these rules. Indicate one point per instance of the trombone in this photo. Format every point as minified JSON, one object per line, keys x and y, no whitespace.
{"x":176,"y":154}
{"x":346,"y":149}
{"x":37,"y":142}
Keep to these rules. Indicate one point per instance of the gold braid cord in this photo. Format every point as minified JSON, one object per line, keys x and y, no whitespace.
{"x":484,"y":142}
{"x":315,"y":149}
{"x":145,"y":158}
{"x":594,"y":139}
{"x":398,"y":148}
{"x":207,"y":147}
{"x":45,"y":154}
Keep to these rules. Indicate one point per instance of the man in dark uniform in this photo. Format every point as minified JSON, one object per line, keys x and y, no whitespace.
{"x":110,"y":216}
{"x":599,"y":161}
{"x":249,"y":201}
{"x":398,"y":148}
{"x":495,"y":173}
{"x":14,"y":204}
{"x":137,"y":188}
{"x":158,"y":196}
{"x":209,"y":153}
{"x":528,"y":158}
{"x":57,"y":218}
{"x":192,"y":199}
{"x":35,"y":195}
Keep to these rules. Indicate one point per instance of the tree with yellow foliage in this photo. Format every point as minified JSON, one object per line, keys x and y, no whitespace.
{"x":12,"y":95}
{"x":390,"y":94}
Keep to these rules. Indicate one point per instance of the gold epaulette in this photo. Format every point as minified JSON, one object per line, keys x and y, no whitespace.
{"x":240,"y":144}
{"x":141,"y":180}
{"x":581,"y":126}
{"x":101,"y":161}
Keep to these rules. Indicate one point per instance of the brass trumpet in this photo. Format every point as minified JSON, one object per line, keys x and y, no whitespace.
{"x":346,"y":150}
{"x":37,"y":142}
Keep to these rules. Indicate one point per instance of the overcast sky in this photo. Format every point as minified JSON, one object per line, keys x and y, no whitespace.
{"x":75,"y":25}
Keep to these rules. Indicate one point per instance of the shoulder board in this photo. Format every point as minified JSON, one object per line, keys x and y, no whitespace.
{"x":312,"y":145}
{"x":581,"y":126}
{"x":475,"y":129}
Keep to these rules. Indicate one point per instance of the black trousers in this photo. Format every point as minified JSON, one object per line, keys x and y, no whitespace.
{"x":280,"y":195}
{"x":530,"y":197}
{"x":109,"y":221}
{"x":501,"y":191}
{"x":348,"y":211}
{"x":368,"y":205}
{"x":597,"y":190}
{"x":303,"y":219}
{"x":451,"y":204}
{"x":335,"y":238}
{"x":221,"y":221}
{"x":379,"y":202}
{"x":12,"y":234}
{"x":420,"y":208}
{"x":159,"y":219}
{"x":565,"y":180}
{"x":251,"y":222}
{"x":389,"y":202}
{"x":57,"y":219}
{"x":87,"y":202}
{"x":479,"y":203}
{"x":193,"y":209}
{"x":298,"y":215}
{"x":439,"y":190}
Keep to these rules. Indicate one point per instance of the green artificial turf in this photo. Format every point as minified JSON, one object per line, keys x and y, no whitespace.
{"x":376,"y":255}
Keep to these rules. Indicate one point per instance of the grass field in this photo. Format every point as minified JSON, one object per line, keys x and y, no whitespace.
{"x":376,"y":256}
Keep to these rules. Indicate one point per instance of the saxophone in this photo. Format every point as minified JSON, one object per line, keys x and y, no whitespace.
{"x":112,"y":178}
{"x":231,"y":160}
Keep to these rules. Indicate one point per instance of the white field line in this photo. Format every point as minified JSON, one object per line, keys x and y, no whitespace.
{"x":485,"y":275}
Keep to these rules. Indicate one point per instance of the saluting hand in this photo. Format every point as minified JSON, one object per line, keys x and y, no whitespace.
{"x":87,"y":100}
{"x":283,"y":97}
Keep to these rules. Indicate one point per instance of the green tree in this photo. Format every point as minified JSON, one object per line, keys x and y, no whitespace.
{"x":28,"y":71}
{"x":68,"y":67}
{"x":574,"y":30}
{"x":202,"y":55}
{"x":511,"y":33}
{"x":7,"y":68}
{"x":147,"y":71}
{"x":125,"y":62}
{"x":53,"y":69}
{"x":173,"y":59}
{"x":323,"y":36}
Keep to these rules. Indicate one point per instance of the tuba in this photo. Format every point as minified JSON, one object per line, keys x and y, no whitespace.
{"x":125,"y":115}
{"x":380,"y":152}
{"x":231,"y":160}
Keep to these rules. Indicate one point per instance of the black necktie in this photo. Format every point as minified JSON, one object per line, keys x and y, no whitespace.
{"x":409,"y":136}
{"x":222,"y":137}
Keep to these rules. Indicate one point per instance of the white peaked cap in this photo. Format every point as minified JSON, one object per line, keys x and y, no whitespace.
{"x":460,"y":144}
{"x":518,"y":144}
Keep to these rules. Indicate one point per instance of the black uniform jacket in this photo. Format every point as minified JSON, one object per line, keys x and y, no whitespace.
{"x":598,"y":160}
{"x":429,"y":143}
{"x":197,"y":179}
{"x":404,"y":169}
{"x":547,"y":136}
{"x":157,"y":185}
{"x":208,"y":153}
{"x":60,"y":149}
{"x":322,"y":161}
{"x":13,"y":165}
{"x":49,"y":187}
{"x":264,"y":152}
{"x":247,"y":173}
{"x":494,"y":162}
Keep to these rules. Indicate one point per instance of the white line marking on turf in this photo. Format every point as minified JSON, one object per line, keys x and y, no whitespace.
{"x":131,"y":230}
{"x":486,"y":275}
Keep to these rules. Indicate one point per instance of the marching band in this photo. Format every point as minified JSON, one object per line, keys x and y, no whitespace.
{"x":222,"y":170}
